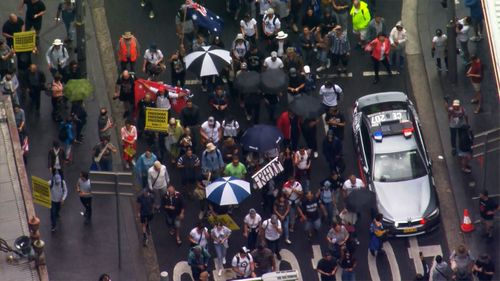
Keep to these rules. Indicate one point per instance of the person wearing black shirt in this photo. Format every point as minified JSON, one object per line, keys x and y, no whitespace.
{"x":309,"y":212}
{"x":145,"y":202}
{"x":72,"y":72}
{"x":336,"y":182}
{"x":332,"y":151}
{"x":484,"y":268}
{"x":487,"y":209}
{"x":327,"y":267}
{"x":309,"y":132}
{"x":124,"y":91}
{"x":35,"y":84}
{"x":296,"y":84}
{"x":190,"y":115}
{"x":35,"y":9}
{"x":12,"y":25}
{"x":254,"y":59}
{"x":178,"y":70}
{"x":79,"y":117}
{"x":141,"y":117}
{"x":174,"y":211}
{"x":348,"y":264}
{"x":336,"y":122}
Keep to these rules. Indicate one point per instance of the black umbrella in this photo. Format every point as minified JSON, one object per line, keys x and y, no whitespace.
{"x":360,"y":199}
{"x":307,"y":106}
{"x":261,"y":138}
{"x":247,"y":82}
{"x":209,"y":60}
{"x":273,"y":81}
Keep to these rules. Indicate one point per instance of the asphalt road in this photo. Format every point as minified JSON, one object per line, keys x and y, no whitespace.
{"x":128,"y":15}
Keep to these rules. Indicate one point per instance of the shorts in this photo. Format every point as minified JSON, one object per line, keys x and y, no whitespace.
{"x":361,"y":33}
{"x":173,"y":220}
{"x":476,"y":86}
{"x":146,"y":218}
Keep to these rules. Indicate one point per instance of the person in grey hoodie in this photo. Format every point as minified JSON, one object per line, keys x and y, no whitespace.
{"x":441,"y":270}
{"x":376,"y":25}
{"x":58,"y":193}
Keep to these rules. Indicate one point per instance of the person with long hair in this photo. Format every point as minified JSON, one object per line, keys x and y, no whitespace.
{"x":129,"y":142}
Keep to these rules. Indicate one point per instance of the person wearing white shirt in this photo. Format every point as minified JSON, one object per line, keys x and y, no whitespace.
{"x":211,"y":131}
{"x":398,"y":40}
{"x":251,"y":228}
{"x":272,"y":233}
{"x":248,"y":26}
{"x":243,"y":264}
{"x":220,"y":235}
{"x":273,"y":62}
{"x":352,"y":184}
{"x":462,"y":29}
{"x":331,"y":94}
{"x":57,"y":57}
{"x":158,"y":179}
{"x":153,"y":57}
{"x":271,"y":25}
{"x":199,"y":236}
{"x":293,"y":191}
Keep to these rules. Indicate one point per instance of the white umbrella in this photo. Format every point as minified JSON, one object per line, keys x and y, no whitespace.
{"x":228,"y":191}
{"x":209,"y":60}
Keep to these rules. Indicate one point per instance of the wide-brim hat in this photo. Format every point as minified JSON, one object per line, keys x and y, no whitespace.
{"x":281,"y":35}
{"x":240,"y":36}
{"x":210,"y":147}
{"x":57,"y":42}
{"x":157,"y":164}
{"x":127,"y":35}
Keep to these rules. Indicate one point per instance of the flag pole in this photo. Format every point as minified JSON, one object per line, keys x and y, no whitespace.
{"x":182,"y":27}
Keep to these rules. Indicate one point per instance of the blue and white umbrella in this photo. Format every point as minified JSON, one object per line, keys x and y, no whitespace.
{"x":228,"y":191}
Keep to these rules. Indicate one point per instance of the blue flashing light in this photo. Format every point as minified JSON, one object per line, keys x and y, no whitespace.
{"x":377,"y":136}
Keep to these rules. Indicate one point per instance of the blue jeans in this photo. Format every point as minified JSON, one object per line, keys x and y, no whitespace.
{"x":285,"y":224}
{"x":348,"y":275}
{"x":220,"y":252}
{"x":292,"y":215}
{"x":54,"y":213}
{"x":310,"y":224}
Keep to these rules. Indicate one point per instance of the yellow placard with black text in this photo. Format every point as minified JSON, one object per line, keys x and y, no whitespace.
{"x":24,"y":41}
{"x":41,"y":191}
{"x":225,"y":219}
{"x":156,"y":119}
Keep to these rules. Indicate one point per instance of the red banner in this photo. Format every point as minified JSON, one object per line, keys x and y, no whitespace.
{"x":142,"y":86}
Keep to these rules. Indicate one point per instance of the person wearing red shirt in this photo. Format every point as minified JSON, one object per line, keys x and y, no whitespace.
{"x":475,"y":73}
{"x":379,"y":49}
{"x":289,"y":125}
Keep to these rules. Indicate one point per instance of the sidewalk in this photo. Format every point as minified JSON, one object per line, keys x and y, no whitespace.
{"x":77,"y":252}
{"x":464,"y":187}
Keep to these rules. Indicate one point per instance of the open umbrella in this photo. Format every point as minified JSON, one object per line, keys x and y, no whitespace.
{"x":209,"y":60}
{"x":261,"y":138}
{"x":247,"y":82}
{"x":78,"y":89}
{"x":228,"y":191}
{"x":360,"y":199}
{"x":306,"y":106}
{"x":273,"y":81}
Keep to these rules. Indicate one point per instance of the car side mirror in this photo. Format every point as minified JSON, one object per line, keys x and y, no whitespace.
{"x":365,"y":169}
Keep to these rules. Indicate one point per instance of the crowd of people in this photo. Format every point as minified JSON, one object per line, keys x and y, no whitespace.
{"x":201,"y":150}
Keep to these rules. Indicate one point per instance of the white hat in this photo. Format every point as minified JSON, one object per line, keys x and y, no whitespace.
{"x":307,"y":69}
{"x":270,"y":11}
{"x":210,"y":147}
{"x":274,"y":54}
{"x":240,"y":36}
{"x":456,"y":103}
{"x":57,"y":42}
{"x":281,"y":35}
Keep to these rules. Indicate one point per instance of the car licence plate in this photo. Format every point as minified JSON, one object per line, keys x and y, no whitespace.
{"x":410,"y":230}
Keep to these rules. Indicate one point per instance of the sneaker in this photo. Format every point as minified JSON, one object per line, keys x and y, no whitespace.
{"x":224,"y":260}
{"x":319,"y":69}
{"x":201,"y":215}
{"x":151,"y":15}
{"x":143,"y":3}
{"x":328,"y":63}
{"x":315,"y":154}
{"x":288,"y":241}
{"x":220,"y":272}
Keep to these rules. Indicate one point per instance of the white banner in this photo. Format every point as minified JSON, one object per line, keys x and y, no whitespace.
{"x":267,"y":173}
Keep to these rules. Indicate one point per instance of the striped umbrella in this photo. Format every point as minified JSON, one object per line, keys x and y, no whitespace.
{"x":228,"y":191}
{"x":209,"y":60}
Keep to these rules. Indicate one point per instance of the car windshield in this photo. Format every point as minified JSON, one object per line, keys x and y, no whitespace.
{"x":398,"y":166}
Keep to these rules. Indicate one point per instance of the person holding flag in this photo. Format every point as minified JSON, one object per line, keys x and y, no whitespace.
{"x":203,"y":17}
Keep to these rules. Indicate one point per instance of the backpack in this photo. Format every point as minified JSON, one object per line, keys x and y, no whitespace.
{"x":65,"y":52}
{"x":63,"y":133}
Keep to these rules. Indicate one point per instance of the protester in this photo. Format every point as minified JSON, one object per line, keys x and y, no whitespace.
{"x":352,"y":184}
{"x":124,"y":91}
{"x":144,"y":162}
{"x":153,"y":62}
{"x":337,"y":238}
{"x":461,"y":263}
{"x":158,"y":180}
{"x":210,"y":131}
{"x":271,"y":233}
{"x":377,"y":236}
{"x":475,"y":73}
{"x":398,"y":38}
{"x":302,"y":160}
{"x":465,"y":143}
{"x":487,"y":209}
{"x":243,"y":264}
{"x":211,"y":161}
{"x":309,"y":212}
{"x":360,"y":19}
{"x":441,"y":270}
{"x":199,"y":236}
{"x":58,"y":194}
{"x":339,"y":49}
{"x":327,"y":267}
{"x":263,"y":260}
{"x":189,"y":164}
{"x":484,"y":268}
{"x":66,"y":11}
{"x":440,"y":49}
{"x":56,"y":157}
{"x":380,"y":48}
{"x":220,"y":237}
{"x":128,"y":50}
{"x":348,"y":263}
{"x":251,"y":228}
{"x":57,"y":57}
{"x":84,"y":189}
{"x":331,"y":94}
{"x":376,"y":26}
{"x":457,"y":118}
{"x":145,"y":210}
{"x":198,"y":259}
{"x":129,"y":142}
{"x":9,"y":85}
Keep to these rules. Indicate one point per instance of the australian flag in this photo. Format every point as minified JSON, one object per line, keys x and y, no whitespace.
{"x":203,"y":17}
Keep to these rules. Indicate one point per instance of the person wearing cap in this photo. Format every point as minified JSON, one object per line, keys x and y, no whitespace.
{"x":211,"y":161}
{"x":273,"y":62}
{"x":376,"y":25}
{"x":310,"y":79}
{"x":440,"y":49}
{"x":271,"y":233}
{"x":327,"y":267}
{"x":210,"y":131}
{"x":360,"y":19}
{"x":339,"y":49}
{"x":252,"y":222}
{"x":57,"y":57}
{"x":248,"y":27}
{"x":271,"y":25}
{"x":398,"y":38}
{"x":128,"y":50}
{"x":243,"y":265}
{"x":153,"y":61}
{"x":296,"y":84}
{"x":158,"y":180}
{"x":379,"y":48}
{"x":240,"y":48}
{"x":457,"y":118}
{"x":280,"y":44}
{"x":220,"y":237}
{"x":58,"y":193}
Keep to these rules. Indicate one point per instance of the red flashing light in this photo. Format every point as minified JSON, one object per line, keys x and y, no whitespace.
{"x":407,"y":132}
{"x":422,"y":221}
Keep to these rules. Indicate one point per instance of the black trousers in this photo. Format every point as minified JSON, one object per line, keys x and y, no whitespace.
{"x":124,"y":64}
{"x":453,"y":137}
{"x":87,"y":204}
{"x":35,"y":94}
{"x":376,"y":66}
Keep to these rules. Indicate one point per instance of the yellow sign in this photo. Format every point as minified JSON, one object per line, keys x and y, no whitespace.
{"x":156,"y":119}
{"x":41,"y":191}
{"x":225,"y":219}
{"x":24,"y":41}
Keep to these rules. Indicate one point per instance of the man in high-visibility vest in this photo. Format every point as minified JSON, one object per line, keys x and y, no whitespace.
{"x":128,"y":51}
{"x":360,"y":20}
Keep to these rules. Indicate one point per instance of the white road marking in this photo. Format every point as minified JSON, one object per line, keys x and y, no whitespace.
{"x":288,"y":256}
{"x":372,"y":266}
{"x":112,"y":193}
{"x":317,"y":255}
{"x":380,"y":73}
{"x":193,"y":82}
{"x":393,"y":263}
{"x":335,"y":75}
{"x":324,"y":123}
{"x":427,"y":251}
{"x":490,"y":195}
{"x":181,"y":268}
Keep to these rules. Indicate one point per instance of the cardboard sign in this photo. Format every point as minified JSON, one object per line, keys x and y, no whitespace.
{"x":264,"y":175}
{"x":156,"y":119}
{"x":225,"y":219}
{"x":41,"y":191}
{"x":24,"y":41}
